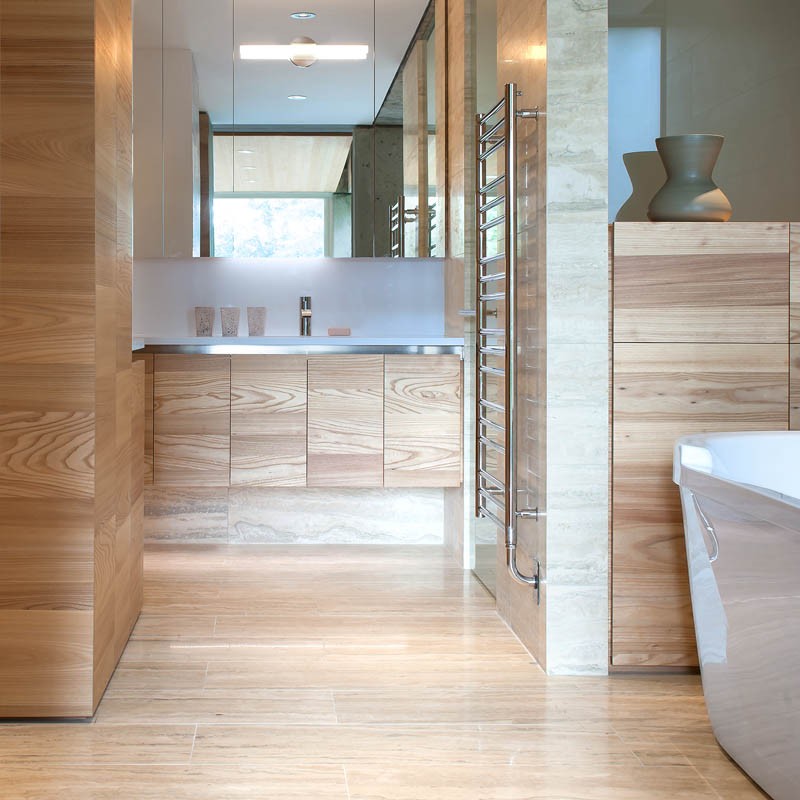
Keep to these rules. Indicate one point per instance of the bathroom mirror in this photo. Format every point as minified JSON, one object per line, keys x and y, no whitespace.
{"x":239,"y":152}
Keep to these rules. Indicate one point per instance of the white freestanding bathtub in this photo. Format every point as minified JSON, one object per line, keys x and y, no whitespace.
{"x":741,"y":507}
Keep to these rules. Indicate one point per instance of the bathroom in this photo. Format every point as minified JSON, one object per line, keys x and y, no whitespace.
{"x":284,"y":521}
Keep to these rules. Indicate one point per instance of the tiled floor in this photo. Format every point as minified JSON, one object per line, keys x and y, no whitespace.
{"x":368,"y":674}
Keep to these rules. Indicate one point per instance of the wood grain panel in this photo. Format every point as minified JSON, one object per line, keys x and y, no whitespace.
{"x":422,"y":421}
{"x":662,"y":392}
{"x":47,"y":661}
{"x":268,"y":420}
{"x":148,"y":360}
{"x":47,"y":454}
{"x":66,"y":385}
{"x":345,"y":421}
{"x":191,"y":420}
{"x":794,"y":387}
{"x":696,"y":282}
{"x":794,"y":282}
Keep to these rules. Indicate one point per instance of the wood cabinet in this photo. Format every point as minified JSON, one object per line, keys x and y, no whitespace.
{"x":268,"y":420}
{"x":147,"y":359}
{"x":422,"y":419}
{"x":345,"y":420}
{"x":192,"y":420}
{"x":291,"y":420}
{"x":700,"y":344}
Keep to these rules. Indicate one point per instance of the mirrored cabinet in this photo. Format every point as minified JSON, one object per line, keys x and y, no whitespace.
{"x":262,"y":132}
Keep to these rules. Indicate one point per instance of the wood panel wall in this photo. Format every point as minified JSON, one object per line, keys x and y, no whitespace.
{"x":701,"y":330}
{"x":70,"y":505}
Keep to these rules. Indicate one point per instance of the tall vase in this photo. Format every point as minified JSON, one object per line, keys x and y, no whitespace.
{"x":690,"y":194}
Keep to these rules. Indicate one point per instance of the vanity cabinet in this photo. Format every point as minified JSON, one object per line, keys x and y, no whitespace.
{"x":358,"y":421}
{"x":192,"y":420}
{"x":268,"y":420}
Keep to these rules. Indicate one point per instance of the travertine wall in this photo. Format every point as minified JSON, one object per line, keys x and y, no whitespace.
{"x":577,"y":337}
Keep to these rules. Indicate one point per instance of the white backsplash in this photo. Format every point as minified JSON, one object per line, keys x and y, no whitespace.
{"x":372,"y":297}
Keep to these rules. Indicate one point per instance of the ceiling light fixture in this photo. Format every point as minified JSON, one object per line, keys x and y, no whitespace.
{"x":297,"y":97}
{"x":303,"y":15}
{"x":303,"y":52}
{"x":246,"y":152}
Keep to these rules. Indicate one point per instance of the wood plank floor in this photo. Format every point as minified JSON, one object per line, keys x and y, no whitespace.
{"x":356,"y":674}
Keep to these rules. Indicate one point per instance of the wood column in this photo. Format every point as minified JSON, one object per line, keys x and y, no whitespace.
{"x":70,"y":487}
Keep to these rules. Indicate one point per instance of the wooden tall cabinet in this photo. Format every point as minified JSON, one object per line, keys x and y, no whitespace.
{"x":700,"y":344}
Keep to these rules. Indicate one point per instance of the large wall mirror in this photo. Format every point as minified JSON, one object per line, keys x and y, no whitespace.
{"x":286,"y":129}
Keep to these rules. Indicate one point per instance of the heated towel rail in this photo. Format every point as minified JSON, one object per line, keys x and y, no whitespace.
{"x":496,"y":326}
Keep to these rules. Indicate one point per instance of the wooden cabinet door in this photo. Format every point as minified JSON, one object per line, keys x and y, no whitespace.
{"x":422,"y":419}
{"x":148,"y":359}
{"x":268,"y":420}
{"x":192,"y":420}
{"x":345,"y":421}
{"x":662,"y":392}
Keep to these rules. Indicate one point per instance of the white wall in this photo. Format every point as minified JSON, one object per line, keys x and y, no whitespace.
{"x":634,"y":104}
{"x":732,"y":69}
{"x":373,"y":297}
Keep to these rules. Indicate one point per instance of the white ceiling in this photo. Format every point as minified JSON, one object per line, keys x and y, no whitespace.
{"x":255,"y":92}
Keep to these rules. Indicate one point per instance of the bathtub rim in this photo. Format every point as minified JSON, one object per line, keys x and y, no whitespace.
{"x":754,"y":501}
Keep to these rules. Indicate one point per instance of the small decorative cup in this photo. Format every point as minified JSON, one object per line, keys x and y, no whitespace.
{"x":230,"y":320}
{"x":204,"y":320}
{"x":256,"y":320}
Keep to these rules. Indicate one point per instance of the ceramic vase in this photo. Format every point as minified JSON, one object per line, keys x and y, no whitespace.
{"x":230,"y":320}
{"x":690,"y":194}
{"x":256,"y":320}
{"x":204,"y":320}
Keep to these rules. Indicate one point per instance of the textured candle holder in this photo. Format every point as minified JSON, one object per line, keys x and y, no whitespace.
{"x":204,"y":320}
{"x":256,"y":320}
{"x":230,"y":321}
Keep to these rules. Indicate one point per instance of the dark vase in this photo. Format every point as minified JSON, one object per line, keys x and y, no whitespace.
{"x":690,"y":194}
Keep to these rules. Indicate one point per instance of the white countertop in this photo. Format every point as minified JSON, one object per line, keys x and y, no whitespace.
{"x":304,"y":341}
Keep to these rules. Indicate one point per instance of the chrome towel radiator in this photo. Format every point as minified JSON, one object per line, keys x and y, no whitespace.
{"x":496,"y":347}
{"x":397,"y":228}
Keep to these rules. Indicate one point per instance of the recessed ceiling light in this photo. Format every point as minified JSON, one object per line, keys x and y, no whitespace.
{"x":248,"y":167}
{"x":303,"y":15}
{"x":297,"y":97}
{"x":305,"y":50}
{"x":246,"y":152}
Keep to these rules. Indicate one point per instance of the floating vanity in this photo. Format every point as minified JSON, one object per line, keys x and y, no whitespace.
{"x":258,"y":418}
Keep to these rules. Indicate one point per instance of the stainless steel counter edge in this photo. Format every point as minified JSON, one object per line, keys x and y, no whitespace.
{"x":305,"y":350}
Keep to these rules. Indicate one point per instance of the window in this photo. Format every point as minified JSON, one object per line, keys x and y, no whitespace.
{"x":271,"y":227}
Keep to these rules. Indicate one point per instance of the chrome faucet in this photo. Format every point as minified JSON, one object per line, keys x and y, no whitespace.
{"x":305,"y":316}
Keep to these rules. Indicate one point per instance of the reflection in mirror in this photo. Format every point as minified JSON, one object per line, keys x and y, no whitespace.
{"x":410,"y":105}
{"x":287,"y":195}
{"x":256,"y":144}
